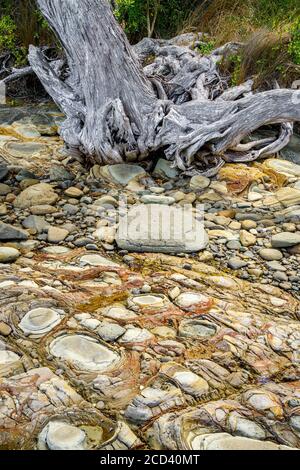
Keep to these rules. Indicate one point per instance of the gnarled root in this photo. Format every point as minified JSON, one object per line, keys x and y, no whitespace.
{"x":123,"y":103}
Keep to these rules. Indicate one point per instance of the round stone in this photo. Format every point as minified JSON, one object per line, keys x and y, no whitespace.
{"x":280,"y":276}
{"x":5,"y":329}
{"x":42,"y":209}
{"x":246,"y":428}
{"x":39,"y":321}
{"x":5,"y":189}
{"x":247,"y":238}
{"x":187,"y":380}
{"x":199,"y":182}
{"x":188,"y":299}
{"x":285,"y":239}
{"x":119,"y":313}
{"x":73,"y":192}
{"x":84,"y":352}
{"x":136,"y":335}
{"x":237,"y":263}
{"x":107,"y":201}
{"x":233,"y":245}
{"x":269,"y":254}
{"x":41,"y":193}
{"x":197,"y":328}
{"x":146,"y":289}
{"x":148,"y":301}
{"x":21,"y":149}
{"x":248,"y":224}
{"x":62,"y":436}
{"x":8,"y":255}
{"x":123,"y":173}
{"x":110,"y":331}
{"x":57,"y":234}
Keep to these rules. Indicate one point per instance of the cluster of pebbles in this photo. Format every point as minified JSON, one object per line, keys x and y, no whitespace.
{"x":113,"y":344}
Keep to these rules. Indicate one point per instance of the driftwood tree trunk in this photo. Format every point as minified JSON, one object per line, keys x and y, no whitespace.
{"x":116,"y":110}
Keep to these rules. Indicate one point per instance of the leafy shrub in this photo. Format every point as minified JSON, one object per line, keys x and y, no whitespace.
{"x":22,"y":24}
{"x":294,"y":46}
{"x":206,"y":47}
{"x":132,"y":14}
{"x":7,"y":34}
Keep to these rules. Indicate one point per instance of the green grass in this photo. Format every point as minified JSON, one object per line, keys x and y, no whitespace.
{"x":269,"y":28}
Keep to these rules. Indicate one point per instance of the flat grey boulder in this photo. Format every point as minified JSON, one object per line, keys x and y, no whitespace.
{"x":269,"y":254}
{"x":285,"y":239}
{"x":161,"y":229}
{"x":237,"y":263}
{"x":59,"y":173}
{"x":8,"y":232}
{"x":36,"y":222}
{"x":122,"y":173}
{"x":164,"y":169}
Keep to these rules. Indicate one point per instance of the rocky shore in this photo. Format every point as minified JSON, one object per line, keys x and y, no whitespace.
{"x":117,"y":343}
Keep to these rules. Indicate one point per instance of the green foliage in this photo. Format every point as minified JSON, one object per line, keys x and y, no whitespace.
{"x":294,"y":46}
{"x":237,"y":64}
{"x":206,"y":47}
{"x":234,"y":64}
{"x":265,"y":57}
{"x":9,"y":40}
{"x":132,"y":14}
{"x":22,"y":24}
{"x":269,"y":28}
{"x":273,"y":13}
{"x":235,"y":20}
{"x":173,"y":15}
{"x":7,"y":34}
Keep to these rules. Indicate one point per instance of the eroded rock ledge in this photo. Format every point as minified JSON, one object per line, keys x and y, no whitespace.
{"x":201,"y":361}
{"x":101,"y":348}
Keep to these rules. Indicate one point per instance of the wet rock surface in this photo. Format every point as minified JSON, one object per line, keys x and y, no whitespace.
{"x":102,"y":348}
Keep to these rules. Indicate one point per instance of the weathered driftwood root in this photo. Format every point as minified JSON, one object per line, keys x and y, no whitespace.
{"x":9,"y":74}
{"x":122,"y":103}
{"x":16,"y":74}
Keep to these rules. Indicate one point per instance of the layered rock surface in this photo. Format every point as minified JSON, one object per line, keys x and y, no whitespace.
{"x":102,"y":348}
